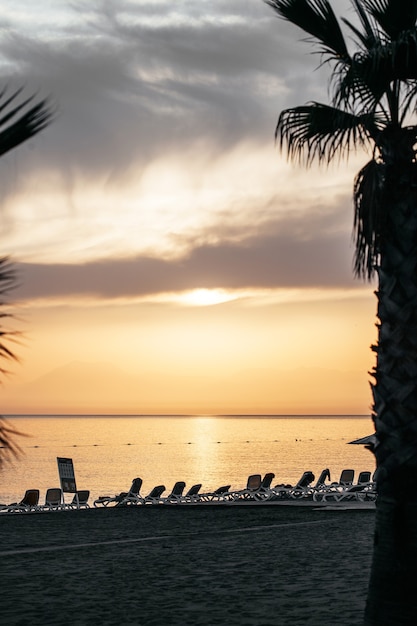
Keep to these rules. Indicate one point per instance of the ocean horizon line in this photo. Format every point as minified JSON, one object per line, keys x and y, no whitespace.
{"x":193,"y":415}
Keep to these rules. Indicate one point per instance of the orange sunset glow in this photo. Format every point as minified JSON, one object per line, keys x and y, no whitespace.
{"x":169,"y":258}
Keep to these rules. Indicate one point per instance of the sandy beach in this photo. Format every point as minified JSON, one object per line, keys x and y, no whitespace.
{"x":186,"y":565}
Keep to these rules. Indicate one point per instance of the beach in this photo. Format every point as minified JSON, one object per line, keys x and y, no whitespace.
{"x":258,"y":565}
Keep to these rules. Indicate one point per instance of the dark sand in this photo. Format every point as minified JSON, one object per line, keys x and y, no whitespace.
{"x":186,"y":565}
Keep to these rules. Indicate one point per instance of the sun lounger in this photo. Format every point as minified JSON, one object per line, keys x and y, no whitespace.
{"x":321,"y":481}
{"x":358,"y":493}
{"x":257,"y":488}
{"x":28,"y":503}
{"x":154,"y":497}
{"x":364,"y":477}
{"x":218,"y":495}
{"x":192,"y":495}
{"x":264,"y":491}
{"x":330,"y":491}
{"x":252,"y":485}
{"x":321,"y":484}
{"x":125,"y":497}
{"x":53,"y":500}
{"x":346,"y":478}
{"x":132,"y":497}
{"x":302,"y":489}
{"x":363,"y":491}
{"x":176,"y":494}
{"x":80,"y":500}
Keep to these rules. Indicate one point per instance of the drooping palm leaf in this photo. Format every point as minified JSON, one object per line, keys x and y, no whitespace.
{"x":9,"y":449}
{"x":317,"y":18}
{"x":368,"y":76}
{"x":21,"y":121}
{"x":8,"y":446}
{"x":376,"y":73}
{"x":319,"y":131}
{"x":359,"y":87}
{"x":386,"y":64}
{"x":369,"y":220}
{"x":7,"y":282}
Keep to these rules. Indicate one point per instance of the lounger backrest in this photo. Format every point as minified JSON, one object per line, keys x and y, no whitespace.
{"x":31,"y":497}
{"x":364,"y":477}
{"x":135,"y":488}
{"x":346,"y":477}
{"x":193,"y":491}
{"x":81,"y":497}
{"x":156,"y":491}
{"x":267,"y":480}
{"x":254,"y":482}
{"x":53,"y":496}
{"x":178,"y":488}
{"x":305,"y":480}
{"x":222,"y":489}
{"x":325,"y":475}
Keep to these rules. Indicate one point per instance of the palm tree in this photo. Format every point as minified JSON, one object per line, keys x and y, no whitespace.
{"x":20,"y":119}
{"x":373,"y":104}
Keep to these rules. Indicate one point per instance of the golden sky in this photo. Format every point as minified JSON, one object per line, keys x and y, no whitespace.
{"x":170,"y":259}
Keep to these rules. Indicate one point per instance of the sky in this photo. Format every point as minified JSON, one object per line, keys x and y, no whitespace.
{"x":170,"y":258}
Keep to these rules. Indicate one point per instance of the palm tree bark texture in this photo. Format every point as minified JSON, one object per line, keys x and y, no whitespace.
{"x":374,"y":106}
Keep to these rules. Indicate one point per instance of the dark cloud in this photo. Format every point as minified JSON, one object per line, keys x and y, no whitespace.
{"x":133,"y":80}
{"x":282,"y":255}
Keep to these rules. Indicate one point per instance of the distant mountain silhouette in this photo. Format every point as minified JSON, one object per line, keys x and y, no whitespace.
{"x":81,"y":387}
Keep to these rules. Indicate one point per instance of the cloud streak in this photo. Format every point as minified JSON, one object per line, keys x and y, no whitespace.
{"x":278,"y":257}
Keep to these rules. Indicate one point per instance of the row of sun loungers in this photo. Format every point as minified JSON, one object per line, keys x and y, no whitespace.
{"x":54,"y":501}
{"x":257,"y":489}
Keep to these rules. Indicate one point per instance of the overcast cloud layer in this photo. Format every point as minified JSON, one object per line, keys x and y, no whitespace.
{"x":134,"y":82}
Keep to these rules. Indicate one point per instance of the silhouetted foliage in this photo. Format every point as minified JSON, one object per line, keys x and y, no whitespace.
{"x":20,"y":119}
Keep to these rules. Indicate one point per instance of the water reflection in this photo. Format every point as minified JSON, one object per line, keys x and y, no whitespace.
{"x":108,"y":452}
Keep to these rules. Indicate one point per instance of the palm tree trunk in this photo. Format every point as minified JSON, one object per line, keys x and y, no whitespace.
{"x":392,"y":594}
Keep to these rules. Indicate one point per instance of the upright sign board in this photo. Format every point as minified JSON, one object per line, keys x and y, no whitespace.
{"x":66,"y":475}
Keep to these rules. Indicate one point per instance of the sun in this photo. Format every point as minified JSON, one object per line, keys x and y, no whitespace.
{"x":206,"y":297}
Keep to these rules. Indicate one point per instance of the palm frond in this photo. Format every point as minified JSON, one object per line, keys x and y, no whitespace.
{"x":319,"y":131}
{"x":356,"y":88}
{"x":8,"y":446}
{"x":372,"y":75}
{"x":393,"y":16}
{"x":20,"y":119}
{"x":370,"y":36}
{"x":7,"y":283}
{"x":315,"y":17}
{"x":389,"y":62}
{"x":370,"y":215}
{"x":23,"y":120}
{"x":9,"y":449}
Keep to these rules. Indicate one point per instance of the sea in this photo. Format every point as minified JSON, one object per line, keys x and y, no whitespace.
{"x":107,"y":452}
